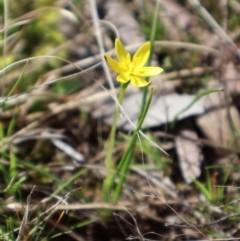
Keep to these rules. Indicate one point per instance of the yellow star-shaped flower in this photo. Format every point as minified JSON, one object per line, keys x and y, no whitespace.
{"x":132,"y":69}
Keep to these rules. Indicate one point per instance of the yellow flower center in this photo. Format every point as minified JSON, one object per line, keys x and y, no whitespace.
{"x":129,"y":67}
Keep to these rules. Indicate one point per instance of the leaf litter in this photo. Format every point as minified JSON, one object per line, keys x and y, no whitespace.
{"x":77,"y":122}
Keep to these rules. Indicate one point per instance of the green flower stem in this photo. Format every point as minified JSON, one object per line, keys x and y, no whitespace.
{"x":109,"y":160}
{"x":127,"y":157}
{"x":132,"y":144}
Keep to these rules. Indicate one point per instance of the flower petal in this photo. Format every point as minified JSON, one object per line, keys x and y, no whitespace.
{"x":121,"y":52}
{"x":115,"y":66}
{"x":148,"y":71}
{"x":141,"y":56}
{"x":138,"y":81}
{"x":123,"y":77}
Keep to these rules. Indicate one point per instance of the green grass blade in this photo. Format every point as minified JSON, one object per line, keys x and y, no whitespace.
{"x":197,"y":97}
{"x":204,"y":190}
{"x":12,"y":122}
{"x":152,"y":39}
{"x":127,"y":157}
{"x":4,"y":235}
{"x":209,"y":185}
{"x":15,"y":85}
{"x":13,"y":164}
{"x":69,"y":181}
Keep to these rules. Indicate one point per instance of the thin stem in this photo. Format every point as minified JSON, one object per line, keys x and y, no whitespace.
{"x":109,"y":154}
{"x":127,"y":157}
{"x":152,"y":39}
